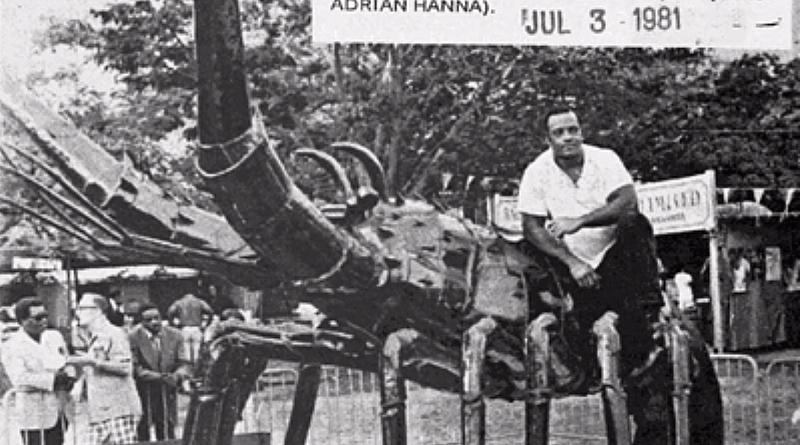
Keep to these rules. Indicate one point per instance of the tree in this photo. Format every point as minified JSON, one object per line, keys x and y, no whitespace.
{"x":740,"y":120}
{"x":468,"y":110}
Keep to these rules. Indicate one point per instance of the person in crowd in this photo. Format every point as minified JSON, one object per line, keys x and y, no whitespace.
{"x":792,"y":302}
{"x":220,"y":301}
{"x":159,"y":367}
{"x":8,"y":325}
{"x":791,"y":274}
{"x":580,"y":214}
{"x":35,"y":360}
{"x":190,"y":312}
{"x":106,"y":383}
{"x":741,"y":272}
{"x":115,"y":311}
{"x":232,"y":314}
{"x":227,"y":318}
{"x":683,"y":283}
{"x":131,"y":315}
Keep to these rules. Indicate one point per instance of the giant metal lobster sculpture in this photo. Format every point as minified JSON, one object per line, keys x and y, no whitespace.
{"x":409,"y":292}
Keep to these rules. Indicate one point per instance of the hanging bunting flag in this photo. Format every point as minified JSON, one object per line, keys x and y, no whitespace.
{"x":470,"y":178}
{"x":793,"y":201}
{"x":446,"y":178}
{"x":787,"y":198}
{"x":758,"y":193}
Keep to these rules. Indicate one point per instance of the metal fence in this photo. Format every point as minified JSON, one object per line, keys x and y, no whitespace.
{"x":740,"y":381}
{"x":758,"y":405}
{"x":782,"y":399}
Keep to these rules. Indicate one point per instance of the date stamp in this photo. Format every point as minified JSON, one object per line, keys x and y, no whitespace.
{"x":756,"y":24}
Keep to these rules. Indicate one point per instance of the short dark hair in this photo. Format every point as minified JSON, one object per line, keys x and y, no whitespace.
{"x":552,"y":111}
{"x":22,"y":310}
{"x":147,"y":307}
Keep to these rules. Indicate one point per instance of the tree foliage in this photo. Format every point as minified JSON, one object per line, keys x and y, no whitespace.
{"x":469,"y":110}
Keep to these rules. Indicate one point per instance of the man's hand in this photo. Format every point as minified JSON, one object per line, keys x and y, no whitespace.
{"x":81,"y":360}
{"x":584,"y":274}
{"x":169,"y":380}
{"x":63,"y":381}
{"x":563,"y":226}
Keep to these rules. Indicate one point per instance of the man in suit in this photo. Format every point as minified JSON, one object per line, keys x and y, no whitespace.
{"x":107,"y":383}
{"x":34,"y":359}
{"x":159,"y":366}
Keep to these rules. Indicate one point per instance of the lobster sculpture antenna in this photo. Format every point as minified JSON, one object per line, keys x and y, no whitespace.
{"x":248,"y":180}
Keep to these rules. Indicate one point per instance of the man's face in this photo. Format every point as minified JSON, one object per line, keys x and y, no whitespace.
{"x":151,"y":320}
{"x":564,"y":135}
{"x":87,"y":311}
{"x":36,"y":323}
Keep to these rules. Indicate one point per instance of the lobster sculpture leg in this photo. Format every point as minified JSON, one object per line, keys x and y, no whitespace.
{"x":544,"y":368}
{"x":393,"y":389}
{"x":305,"y":398}
{"x":231,"y":374}
{"x":615,"y":408}
{"x":473,"y":406}
{"x":540,"y":378}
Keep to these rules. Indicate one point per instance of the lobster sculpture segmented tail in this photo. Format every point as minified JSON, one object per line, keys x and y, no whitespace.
{"x":408,"y":292}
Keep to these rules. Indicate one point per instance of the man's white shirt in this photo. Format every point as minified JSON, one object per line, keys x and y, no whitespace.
{"x":683,"y":281}
{"x":548,"y":191}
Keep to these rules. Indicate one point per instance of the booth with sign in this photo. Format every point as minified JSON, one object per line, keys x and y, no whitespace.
{"x":759,"y":235}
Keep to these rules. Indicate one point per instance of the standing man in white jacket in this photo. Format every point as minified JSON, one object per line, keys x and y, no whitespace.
{"x":35,"y":359}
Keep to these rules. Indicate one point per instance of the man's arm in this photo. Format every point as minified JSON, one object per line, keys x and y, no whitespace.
{"x":173,"y":310}
{"x":619,"y":202}
{"x":18,"y":362}
{"x":534,"y":230}
{"x":206,"y":308}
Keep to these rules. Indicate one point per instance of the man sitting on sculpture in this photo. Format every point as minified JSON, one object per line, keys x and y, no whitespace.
{"x":581,"y":220}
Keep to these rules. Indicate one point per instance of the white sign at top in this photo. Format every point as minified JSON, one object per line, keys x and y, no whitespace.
{"x":749,"y":24}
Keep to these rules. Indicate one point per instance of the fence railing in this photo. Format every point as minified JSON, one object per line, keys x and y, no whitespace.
{"x":758,"y":404}
{"x":782,"y":399}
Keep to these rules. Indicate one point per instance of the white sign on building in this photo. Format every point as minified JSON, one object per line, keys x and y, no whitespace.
{"x":679,"y":205}
{"x":36,"y":263}
{"x":756,"y":24}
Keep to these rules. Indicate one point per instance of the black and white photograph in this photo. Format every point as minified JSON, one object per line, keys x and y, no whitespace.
{"x":400,"y":222}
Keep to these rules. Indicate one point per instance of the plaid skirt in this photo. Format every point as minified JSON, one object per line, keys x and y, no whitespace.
{"x":117,"y":431}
